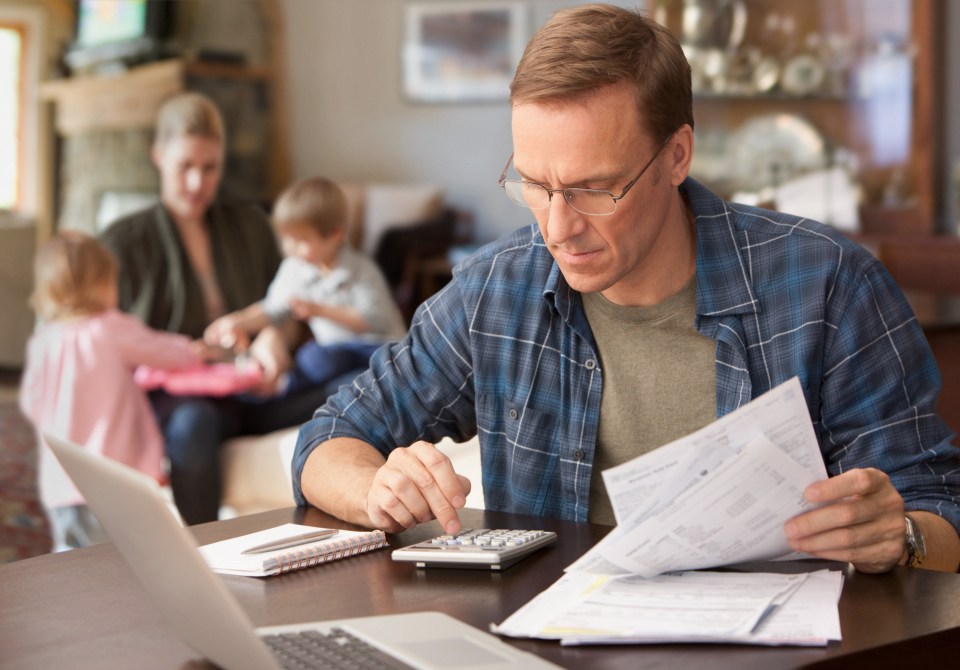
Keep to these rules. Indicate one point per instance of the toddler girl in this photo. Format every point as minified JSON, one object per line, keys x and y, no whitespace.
{"x":78,"y":379}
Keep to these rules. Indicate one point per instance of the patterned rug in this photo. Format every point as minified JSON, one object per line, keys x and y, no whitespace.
{"x":24,"y":531}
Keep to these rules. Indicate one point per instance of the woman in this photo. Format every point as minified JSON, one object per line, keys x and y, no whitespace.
{"x":186,"y":261}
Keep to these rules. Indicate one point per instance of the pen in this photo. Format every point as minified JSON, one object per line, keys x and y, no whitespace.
{"x":294,"y":541}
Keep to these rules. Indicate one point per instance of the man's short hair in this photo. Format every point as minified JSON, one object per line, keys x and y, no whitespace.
{"x":189,"y":114}
{"x":316,"y":202}
{"x":585,"y":48}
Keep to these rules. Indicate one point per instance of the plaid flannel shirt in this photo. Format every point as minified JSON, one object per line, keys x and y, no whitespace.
{"x":505,"y":352}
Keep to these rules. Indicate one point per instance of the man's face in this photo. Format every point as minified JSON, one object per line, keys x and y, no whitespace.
{"x":190,"y":169}
{"x":599,"y":143}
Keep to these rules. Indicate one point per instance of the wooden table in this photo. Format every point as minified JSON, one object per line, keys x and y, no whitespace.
{"x":84,"y":609}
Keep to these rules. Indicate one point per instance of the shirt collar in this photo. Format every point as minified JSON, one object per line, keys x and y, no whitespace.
{"x":723,"y":279}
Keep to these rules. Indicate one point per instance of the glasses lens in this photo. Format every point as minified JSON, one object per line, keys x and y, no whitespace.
{"x":589,"y":201}
{"x":527,"y":194}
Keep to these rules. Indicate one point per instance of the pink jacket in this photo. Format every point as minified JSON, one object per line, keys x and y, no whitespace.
{"x":78,"y":384}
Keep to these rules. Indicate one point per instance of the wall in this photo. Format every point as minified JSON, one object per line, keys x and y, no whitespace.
{"x":351,"y":122}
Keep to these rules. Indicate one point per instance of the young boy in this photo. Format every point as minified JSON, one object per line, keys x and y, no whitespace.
{"x":338,"y":292}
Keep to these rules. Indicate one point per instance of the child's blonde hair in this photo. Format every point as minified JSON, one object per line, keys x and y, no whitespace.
{"x":70,"y":272}
{"x":317,"y":202}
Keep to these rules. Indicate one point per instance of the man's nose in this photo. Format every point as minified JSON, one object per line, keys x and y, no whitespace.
{"x":563,"y":221}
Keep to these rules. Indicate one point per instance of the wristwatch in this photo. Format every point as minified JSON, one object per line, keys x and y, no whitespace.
{"x":916,"y":551}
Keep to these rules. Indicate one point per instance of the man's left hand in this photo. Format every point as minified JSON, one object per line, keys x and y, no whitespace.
{"x":861,"y":521}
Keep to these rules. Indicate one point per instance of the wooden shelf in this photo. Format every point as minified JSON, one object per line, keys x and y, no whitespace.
{"x":119,"y":102}
{"x":131,"y":99}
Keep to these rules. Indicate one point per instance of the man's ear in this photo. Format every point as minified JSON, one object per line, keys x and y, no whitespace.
{"x":155,"y":151}
{"x":680,"y":152}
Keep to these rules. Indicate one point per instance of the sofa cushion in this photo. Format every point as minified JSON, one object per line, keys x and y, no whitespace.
{"x":256,"y":472}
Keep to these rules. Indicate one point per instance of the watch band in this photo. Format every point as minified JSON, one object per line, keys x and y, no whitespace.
{"x":916,"y":549}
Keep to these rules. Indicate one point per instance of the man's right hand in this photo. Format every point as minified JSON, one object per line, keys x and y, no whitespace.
{"x":415,"y":485}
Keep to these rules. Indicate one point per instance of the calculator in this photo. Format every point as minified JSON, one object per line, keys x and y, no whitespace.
{"x":482,"y":548}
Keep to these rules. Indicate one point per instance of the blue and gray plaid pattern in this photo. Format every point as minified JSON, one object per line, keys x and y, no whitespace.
{"x":504,"y":351}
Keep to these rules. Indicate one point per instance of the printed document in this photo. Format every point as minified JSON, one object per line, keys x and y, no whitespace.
{"x":718,"y":496}
{"x":753,"y":608}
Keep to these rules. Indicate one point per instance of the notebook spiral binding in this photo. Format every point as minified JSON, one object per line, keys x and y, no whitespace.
{"x":331,"y":551}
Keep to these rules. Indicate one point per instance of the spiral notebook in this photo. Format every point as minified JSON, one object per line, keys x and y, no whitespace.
{"x":228,"y":557}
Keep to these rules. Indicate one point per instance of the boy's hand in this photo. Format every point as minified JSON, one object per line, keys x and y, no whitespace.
{"x":303,"y":310}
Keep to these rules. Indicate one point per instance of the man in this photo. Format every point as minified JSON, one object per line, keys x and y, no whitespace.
{"x":640,"y":308}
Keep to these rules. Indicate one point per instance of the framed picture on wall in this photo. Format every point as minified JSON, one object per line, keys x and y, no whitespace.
{"x":462,"y":51}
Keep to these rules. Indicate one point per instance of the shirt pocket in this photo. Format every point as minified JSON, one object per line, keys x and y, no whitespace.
{"x":524,"y":458}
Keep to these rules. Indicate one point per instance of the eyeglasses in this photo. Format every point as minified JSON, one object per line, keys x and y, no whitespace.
{"x":589,"y":201}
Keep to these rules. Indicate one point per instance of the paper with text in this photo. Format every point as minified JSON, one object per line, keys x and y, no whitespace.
{"x":581,"y":608}
{"x":718,"y":496}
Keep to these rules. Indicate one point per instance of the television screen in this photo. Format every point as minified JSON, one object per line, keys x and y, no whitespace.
{"x":119,"y":32}
{"x":105,"y":21}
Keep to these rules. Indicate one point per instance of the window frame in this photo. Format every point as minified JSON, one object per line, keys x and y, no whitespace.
{"x":30,"y":22}
{"x":20,"y":159}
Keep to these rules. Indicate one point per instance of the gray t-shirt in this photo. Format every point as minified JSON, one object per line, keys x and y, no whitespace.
{"x":355,"y":281}
{"x":659,"y":381}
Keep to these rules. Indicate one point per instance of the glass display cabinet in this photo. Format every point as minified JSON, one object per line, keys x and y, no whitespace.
{"x":826,"y":108}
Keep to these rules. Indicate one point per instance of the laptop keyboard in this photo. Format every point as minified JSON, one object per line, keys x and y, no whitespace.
{"x":335,"y":649}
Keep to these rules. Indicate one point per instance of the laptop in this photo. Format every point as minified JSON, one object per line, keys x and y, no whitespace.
{"x":201,"y":610}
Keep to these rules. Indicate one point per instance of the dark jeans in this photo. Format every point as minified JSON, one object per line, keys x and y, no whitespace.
{"x":319,"y":364}
{"x":195,"y":427}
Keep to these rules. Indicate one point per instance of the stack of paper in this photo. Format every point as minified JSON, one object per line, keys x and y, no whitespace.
{"x":752,"y":608}
{"x":718,"y":496}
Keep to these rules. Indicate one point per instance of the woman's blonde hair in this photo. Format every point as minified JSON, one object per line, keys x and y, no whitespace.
{"x":583,"y":49}
{"x":189,"y":114}
{"x":70,"y":272}
{"x":316,"y":202}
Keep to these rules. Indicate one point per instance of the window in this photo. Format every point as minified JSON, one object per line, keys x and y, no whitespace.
{"x":11,"y":113}
{"x":23,"y":32}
